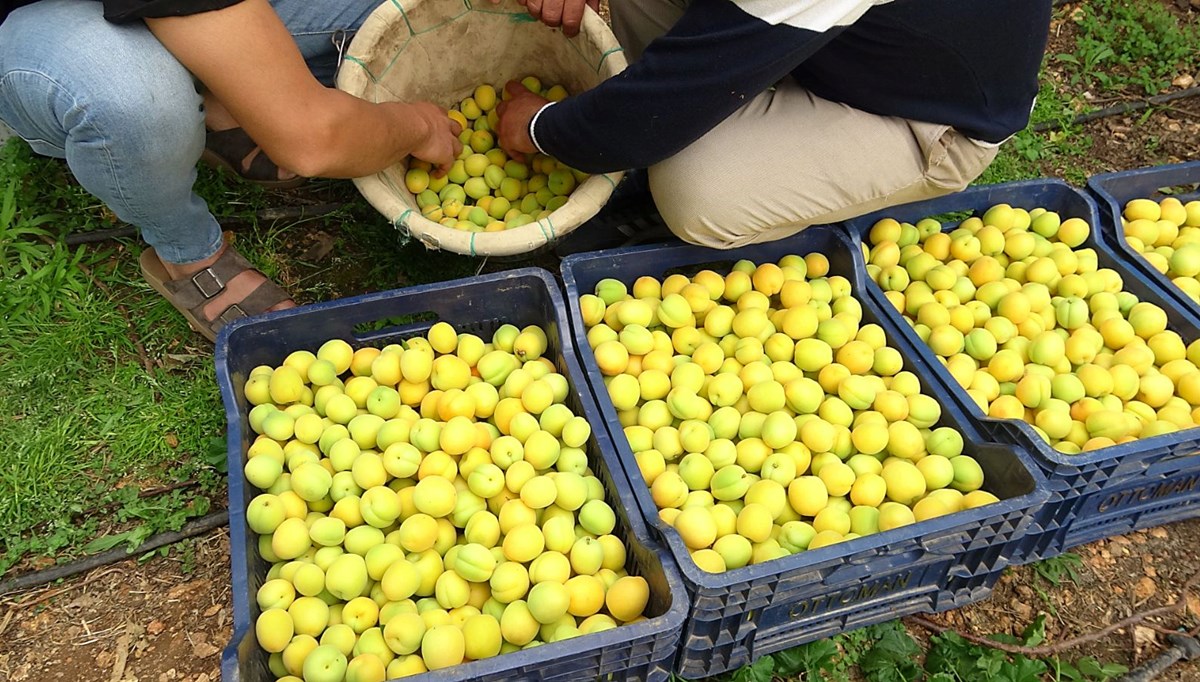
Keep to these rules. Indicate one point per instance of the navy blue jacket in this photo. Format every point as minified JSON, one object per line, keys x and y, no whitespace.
{"x":971,"y":64}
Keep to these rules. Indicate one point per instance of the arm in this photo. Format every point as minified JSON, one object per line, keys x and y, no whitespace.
{"x":712,"y":61}
{"x":246,"y":57}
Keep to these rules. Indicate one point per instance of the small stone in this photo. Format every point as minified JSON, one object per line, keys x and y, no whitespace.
{"x":1158,"y":532}
{"x":1183,"y":80}
{"x":204,"y":650}
{"x":104,"y":659}
{"x":155,"y":627}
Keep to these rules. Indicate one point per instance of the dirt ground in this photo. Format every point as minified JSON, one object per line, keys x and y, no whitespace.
{"x":1119,"y":577}
{"x":165,"y":620}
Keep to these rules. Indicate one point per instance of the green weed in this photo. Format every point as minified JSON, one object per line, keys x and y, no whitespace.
{"x":1056,"y":570}
{"x":1135,"y":47}
{"x":887,"y":653}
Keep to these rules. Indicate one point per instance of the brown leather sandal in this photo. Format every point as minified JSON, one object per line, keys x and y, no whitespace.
{"x":229,"y":149}
{"x":191,"y":294}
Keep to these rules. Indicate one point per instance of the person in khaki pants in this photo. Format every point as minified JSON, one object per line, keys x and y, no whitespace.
{"x":758,"y":118}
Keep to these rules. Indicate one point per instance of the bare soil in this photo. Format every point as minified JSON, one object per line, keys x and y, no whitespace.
{"x":165,"y":620}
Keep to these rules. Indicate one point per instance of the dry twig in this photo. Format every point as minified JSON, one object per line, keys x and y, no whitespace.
{"x":1049,"y":649}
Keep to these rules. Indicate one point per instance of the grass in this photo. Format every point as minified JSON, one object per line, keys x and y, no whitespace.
{"x":84,"y":419}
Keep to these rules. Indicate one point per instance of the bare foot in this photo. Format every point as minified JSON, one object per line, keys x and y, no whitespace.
{"x":236,"y":290}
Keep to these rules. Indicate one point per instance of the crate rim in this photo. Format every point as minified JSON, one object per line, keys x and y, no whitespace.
{"x":1099,"y":183}
{"x":672,"y":619}
{"x":857,"y":228}
{"x":1030,"y":501}
{"x":1103,"y":187}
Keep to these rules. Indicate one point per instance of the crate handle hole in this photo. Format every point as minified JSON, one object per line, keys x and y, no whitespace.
{"x":395,"y":326}
{"x":1182,"y":191}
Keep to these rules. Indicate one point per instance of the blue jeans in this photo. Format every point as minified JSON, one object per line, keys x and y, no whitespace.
{"x":126,"y":115}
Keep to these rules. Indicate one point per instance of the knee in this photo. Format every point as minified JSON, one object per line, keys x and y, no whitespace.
{"x":697,"y":211}
{"x":159,"y":124}
{"x":115,"y":86}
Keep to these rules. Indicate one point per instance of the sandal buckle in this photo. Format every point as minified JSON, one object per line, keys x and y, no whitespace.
{"x":208,"y":283}
{"x":231,"y":313}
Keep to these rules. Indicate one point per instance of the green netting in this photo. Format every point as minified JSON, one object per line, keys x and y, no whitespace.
{"x":440,"y":50}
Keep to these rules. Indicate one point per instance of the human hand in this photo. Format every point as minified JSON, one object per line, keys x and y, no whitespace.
{"x":441,"y":145}
{"x":555,"y":13}
{"x":512,"y":131}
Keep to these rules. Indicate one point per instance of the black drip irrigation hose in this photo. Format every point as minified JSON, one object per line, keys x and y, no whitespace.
{"x":1117,"y":110}
{"x":190,"y":529}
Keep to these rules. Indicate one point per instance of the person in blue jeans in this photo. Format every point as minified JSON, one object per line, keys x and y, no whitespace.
{"x":133,"y":92}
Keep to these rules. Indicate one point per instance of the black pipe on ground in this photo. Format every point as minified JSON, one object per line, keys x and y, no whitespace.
{"x":190,"y":529}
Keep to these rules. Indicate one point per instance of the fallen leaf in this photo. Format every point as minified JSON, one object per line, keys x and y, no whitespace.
{"x":172,"y":440}
{"x":1193,"y":603}
{"x":1144,"y":589}
{"x":1143,"y":638}
{"x":212,"y":610}
{"x":1184,"y":80}
{"x":118,"y":669}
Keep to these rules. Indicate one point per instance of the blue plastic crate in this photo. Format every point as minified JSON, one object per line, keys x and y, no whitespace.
{"x":1114,"y":190}
{"x":638,"y":651}
{"x":745,"y":613}
{"x":1097,"y":494}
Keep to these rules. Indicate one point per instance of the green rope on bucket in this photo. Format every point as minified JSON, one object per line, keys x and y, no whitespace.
{"x":549,"y":223}
{"x":356,"y":60}
{"x":605,"y":56}
{"x":405,"y":235}
{"x":404,"y":14}
{"x":473,"y":234}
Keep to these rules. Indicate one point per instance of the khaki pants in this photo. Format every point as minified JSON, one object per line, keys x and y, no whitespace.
{"x":789,"y":159}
